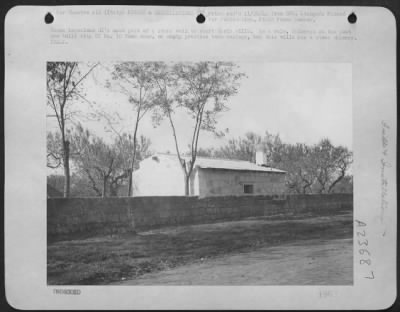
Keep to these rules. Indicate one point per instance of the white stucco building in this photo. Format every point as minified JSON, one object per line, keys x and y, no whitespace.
{"x":162,"y":175}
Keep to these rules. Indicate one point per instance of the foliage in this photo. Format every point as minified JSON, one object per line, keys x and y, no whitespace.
{"x":241,"y":148}
{"x":344,"y":186}
{"x":297,"y":161}
{"x":135,"y":80}
{"x":54,"y":150}
{"x":105,"y":166}
{"x":318,"y":168}
{"x":80,"y":185}
{"x":203,"y":91}
{"x":100,"y":168}
{"x":200,"y":89}
{"x":332,"y":164}
{"x":64,"y":82}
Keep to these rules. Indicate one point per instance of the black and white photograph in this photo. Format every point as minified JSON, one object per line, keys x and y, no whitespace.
{"x":199,"y":173}
{"x":162,"y":157}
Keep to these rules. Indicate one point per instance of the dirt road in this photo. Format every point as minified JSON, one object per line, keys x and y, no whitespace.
{"x":313,"y":262}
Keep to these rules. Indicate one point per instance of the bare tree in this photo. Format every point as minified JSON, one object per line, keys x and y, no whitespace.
{"x":64,"y":81}
{"x":312,"y":168}
{"x":345,"y":185}
{"x":98,"y":160}
{"x":104,"y":165}
{"x":317,"y":168}
{"x":135,"y":79}
{"x":297,"y":160}
{"x":244,"y":148}
{"x":124,"y":145}
{"x":332,"y":164}
{"x":241,"y":148}
{"x":202,"y":90}
{"x":54,"y":150}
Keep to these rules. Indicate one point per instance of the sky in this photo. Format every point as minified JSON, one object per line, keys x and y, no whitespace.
{"x":302,"y":102}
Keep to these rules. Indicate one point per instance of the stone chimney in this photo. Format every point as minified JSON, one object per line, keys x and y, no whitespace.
{"x":260,"y":156}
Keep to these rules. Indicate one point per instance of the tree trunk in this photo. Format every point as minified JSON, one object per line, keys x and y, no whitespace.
{"x":66,"y":169}
{"x":134,"y":154}
{"x":187,"y":188}
{"x":130,"y":182}
{"x":113,"y":190}
{"x":104,"y":187}
{"x":336,"y":181}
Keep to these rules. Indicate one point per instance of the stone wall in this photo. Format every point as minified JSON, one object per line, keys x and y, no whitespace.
{"x":88,"y":215}
{"x":115,"y":215}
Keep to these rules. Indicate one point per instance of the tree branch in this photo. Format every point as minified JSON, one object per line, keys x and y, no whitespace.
{"x":80,"y":80}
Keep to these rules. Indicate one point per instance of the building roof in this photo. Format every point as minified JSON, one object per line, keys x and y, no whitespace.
{"x":226,"y":164}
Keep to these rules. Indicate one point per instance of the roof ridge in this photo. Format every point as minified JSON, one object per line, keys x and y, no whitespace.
{"x":206,"y":162}
{"x":206,"y":157}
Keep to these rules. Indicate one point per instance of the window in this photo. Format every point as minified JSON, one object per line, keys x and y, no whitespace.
{"x":248,"y":188}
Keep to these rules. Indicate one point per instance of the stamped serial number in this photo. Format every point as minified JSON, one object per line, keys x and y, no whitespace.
{"x":58,"y":291}
{"x":363,"y":249}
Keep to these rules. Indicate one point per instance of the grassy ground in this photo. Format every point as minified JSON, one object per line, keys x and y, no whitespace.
{"x":103,"y":260}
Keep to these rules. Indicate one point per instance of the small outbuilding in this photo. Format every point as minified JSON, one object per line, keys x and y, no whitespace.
{"x":162,"y":175}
